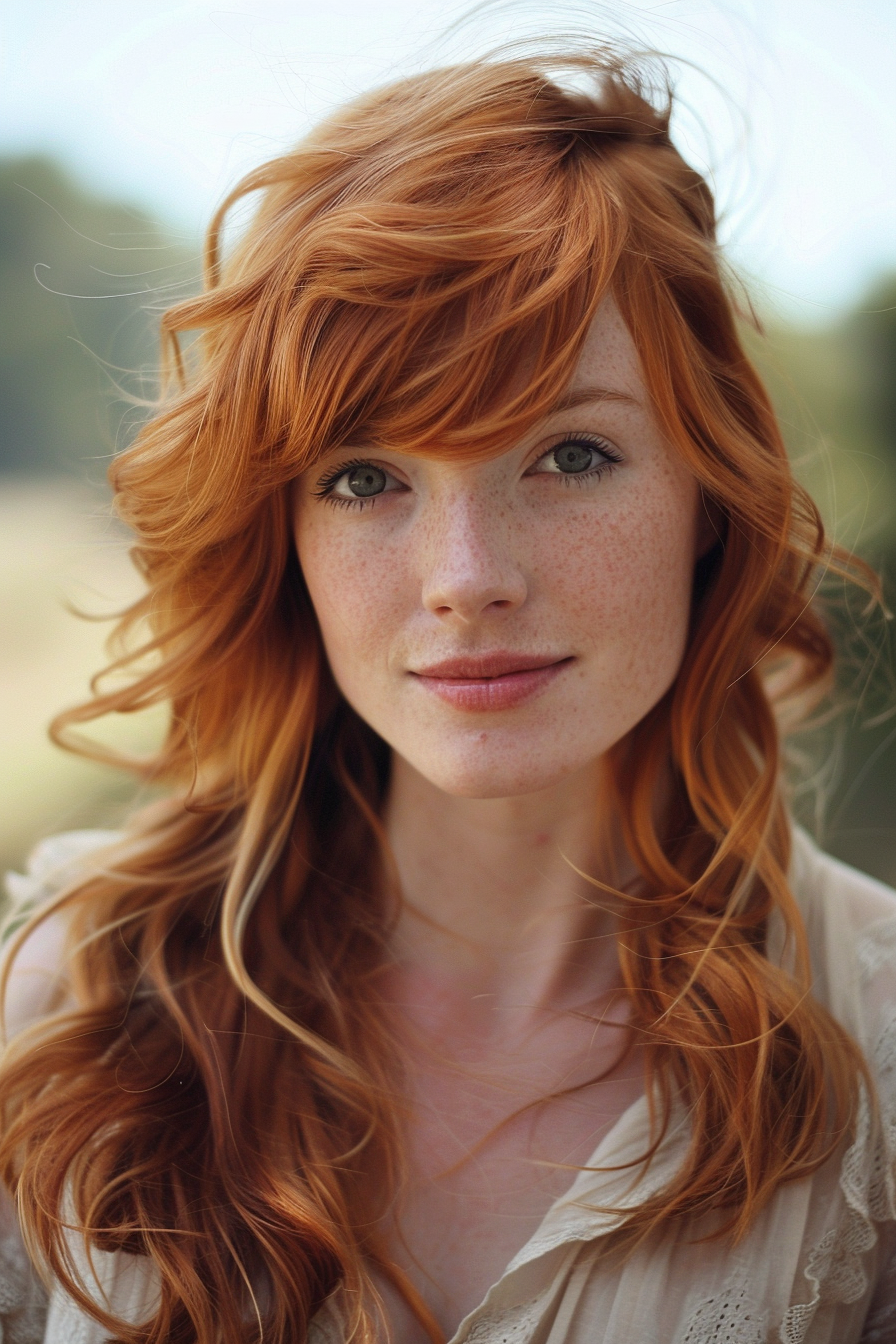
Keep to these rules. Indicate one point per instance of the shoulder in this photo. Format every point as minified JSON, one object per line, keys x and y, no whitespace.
{"x":850,"y":922}
{"x":51,"y":864}
{"x":36,"y":983}
{"x":827,"y":889}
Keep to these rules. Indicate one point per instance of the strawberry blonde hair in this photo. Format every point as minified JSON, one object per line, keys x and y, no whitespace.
{"x":218,"y":1093}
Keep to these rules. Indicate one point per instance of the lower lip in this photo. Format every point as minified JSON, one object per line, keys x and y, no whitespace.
{"x":481,"y":694}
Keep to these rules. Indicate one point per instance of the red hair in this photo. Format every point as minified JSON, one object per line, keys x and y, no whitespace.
{"x":220,"y":1097}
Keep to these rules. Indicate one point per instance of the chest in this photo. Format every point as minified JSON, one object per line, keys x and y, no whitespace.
{"x":487,"y":1153}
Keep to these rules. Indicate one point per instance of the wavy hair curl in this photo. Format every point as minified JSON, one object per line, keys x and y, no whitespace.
{"x":219,"y":1093}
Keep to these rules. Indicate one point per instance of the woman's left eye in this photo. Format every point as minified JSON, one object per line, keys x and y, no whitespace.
{"x":577,"y":456}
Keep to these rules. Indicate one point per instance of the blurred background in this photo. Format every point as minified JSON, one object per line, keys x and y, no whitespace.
{"x":123,"y":125}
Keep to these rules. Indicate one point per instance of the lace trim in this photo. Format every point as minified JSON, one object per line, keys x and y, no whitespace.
{"x":729,"y":1316}
{"x":582,"y":1229}
{"x":516,"y":1325}
{"x":835,"y":1267}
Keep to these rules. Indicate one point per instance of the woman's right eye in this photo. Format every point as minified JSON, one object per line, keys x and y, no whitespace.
{"x":361,"y":482}
{"x":356,"y":482}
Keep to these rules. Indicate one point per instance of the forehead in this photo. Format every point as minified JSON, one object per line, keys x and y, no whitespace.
{"x":609,"y":358}
{"x":608,"y":366}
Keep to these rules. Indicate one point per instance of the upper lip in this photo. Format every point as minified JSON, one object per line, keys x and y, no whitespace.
{"x":484,"y":666}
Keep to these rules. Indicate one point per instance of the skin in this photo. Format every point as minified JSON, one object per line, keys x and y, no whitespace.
{"x":505,"y":973}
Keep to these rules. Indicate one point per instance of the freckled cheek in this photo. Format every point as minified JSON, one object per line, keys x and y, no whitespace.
{"x":633,"y":571}
{"x":358,"y":593}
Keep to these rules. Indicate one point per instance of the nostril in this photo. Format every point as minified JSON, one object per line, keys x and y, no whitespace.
{"x":470,"y":591}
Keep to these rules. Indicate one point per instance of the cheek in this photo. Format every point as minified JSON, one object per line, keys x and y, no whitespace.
{"x":627,"y":583}
{"x":357,"y":591}
{"x":642,"y":554}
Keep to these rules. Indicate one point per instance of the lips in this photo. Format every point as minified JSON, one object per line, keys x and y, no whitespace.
{"x":490,"y":681}
{"x":488,"y":666}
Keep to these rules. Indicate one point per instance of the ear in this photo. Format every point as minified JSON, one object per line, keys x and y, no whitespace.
{"x":711,"y":520}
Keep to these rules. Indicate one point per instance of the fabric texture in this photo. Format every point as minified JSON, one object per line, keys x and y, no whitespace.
{"x":818,"y":1267}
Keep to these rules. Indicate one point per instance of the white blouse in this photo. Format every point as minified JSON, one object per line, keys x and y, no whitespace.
{"x":818,"y":1266}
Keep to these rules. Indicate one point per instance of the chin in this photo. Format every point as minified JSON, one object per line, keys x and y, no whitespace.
{"x":478,"y":773}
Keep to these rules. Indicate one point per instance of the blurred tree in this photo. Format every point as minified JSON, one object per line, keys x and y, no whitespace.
{"x":873,"y":328}
{"x":80,"y":277}
{"x":835,"y":391}
{"x":866,"y":814}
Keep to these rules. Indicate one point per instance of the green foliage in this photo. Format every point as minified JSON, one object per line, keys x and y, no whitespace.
{"x":81,"y":279}
{"x":835,"y":392}
{"x":872,"y":330}
{"x":823,"y":383}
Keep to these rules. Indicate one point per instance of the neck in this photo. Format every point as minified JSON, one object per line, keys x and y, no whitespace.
{"x":497,"y":909}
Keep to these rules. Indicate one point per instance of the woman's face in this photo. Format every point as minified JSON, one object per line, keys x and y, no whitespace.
{"x":501,"y":624}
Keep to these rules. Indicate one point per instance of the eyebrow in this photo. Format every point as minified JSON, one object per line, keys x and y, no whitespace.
{"x":570,"y":400}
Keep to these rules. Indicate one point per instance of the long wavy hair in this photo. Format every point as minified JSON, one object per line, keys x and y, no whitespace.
{"x":218,"y":1092}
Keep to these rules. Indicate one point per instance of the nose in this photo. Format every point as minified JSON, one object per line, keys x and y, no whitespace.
{"x":469,"y":567}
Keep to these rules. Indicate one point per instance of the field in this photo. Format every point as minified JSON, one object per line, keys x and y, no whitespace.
{"x":59,"y":546}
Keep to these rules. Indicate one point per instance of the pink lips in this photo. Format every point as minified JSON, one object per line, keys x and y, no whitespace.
{"x":491,"y":681}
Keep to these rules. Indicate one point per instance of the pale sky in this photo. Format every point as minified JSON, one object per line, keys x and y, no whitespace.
{"x":168,"y":104}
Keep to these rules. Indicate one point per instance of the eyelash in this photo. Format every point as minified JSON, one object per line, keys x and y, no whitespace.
{"x":612,"y":460}
{"x":325,"y":485}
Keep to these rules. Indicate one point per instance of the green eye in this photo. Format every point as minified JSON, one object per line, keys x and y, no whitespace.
{"x":366,"y":481}
{"x":573,"y":457}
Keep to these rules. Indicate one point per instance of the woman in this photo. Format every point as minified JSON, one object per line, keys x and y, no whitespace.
{"x":468,"y":981}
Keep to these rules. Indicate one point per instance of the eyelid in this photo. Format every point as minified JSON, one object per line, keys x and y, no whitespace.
{"x":597,"y":441}
{"x":325,"y":483}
